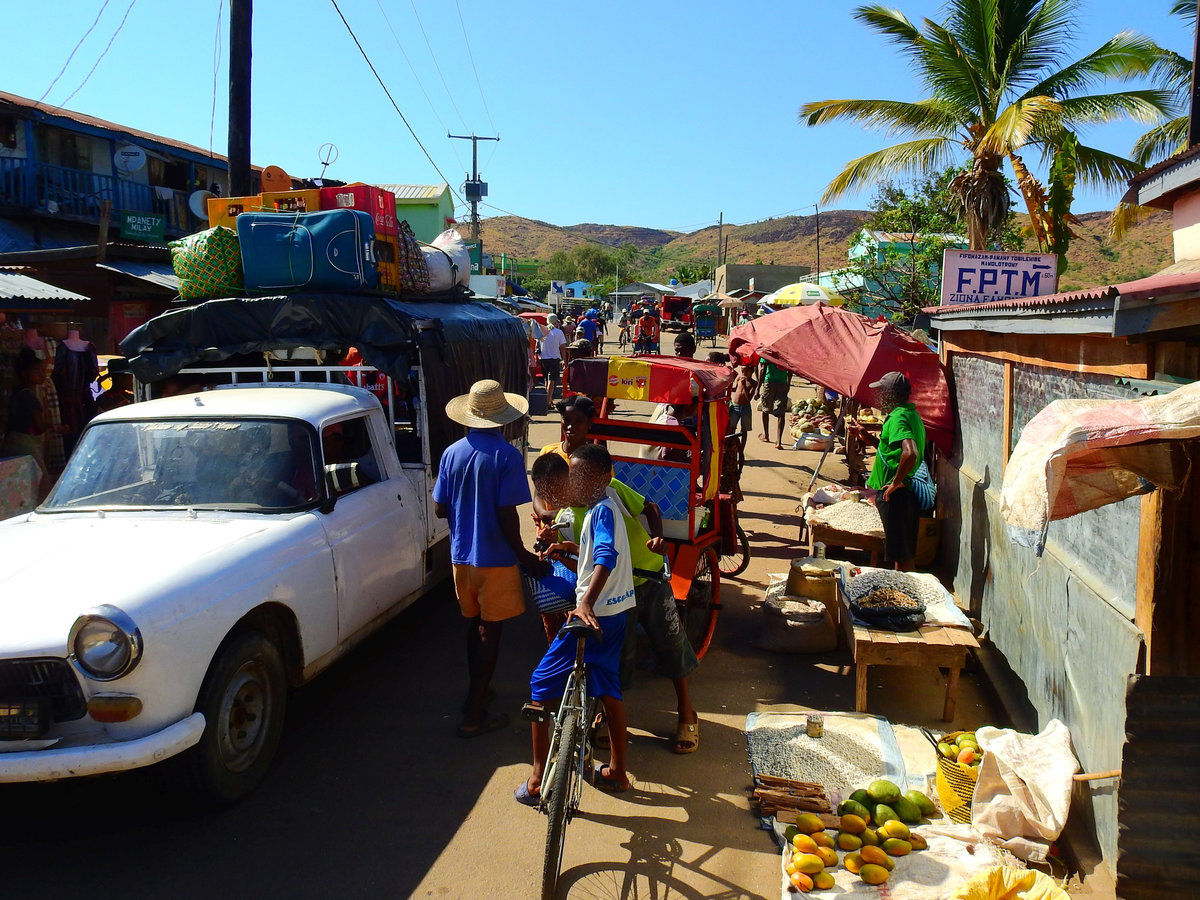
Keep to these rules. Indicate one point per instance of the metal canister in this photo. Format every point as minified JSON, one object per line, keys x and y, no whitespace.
{"x":815,"y":725}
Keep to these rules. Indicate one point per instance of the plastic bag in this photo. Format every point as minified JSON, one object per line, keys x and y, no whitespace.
{"x":208,"y":264}
{"x":1003,"y":883}
{"x":448,"y":261}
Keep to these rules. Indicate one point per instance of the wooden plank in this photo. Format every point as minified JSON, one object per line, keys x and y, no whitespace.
{"x":1006,"y":422}
{"x":939,"y":637}
{"x":860,"y":687}
{"x":951,"y":703}
{"x":1100,"y":355}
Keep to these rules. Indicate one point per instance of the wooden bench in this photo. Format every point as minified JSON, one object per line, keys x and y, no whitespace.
{"x":837,"y":540}
{"x":931,"y":645}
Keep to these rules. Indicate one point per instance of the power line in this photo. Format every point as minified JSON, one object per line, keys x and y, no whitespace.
{"x":102,"y":54}
{"x":212,"y":118}
{"x":71,"y":55}
{"x":417,"y":79}
{"x":392,"y":99}
{"x":471,"y":56}
{"x":432,"y":56}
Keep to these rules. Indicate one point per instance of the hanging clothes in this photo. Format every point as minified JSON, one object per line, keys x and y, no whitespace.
{"x":56,"y":457}
{"x":74,"y":372}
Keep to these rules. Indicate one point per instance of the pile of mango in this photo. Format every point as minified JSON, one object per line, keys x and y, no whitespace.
{"x":873,"y":831}
{"x":962,"y":748}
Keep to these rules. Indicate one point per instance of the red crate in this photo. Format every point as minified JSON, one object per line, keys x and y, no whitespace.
{"x":379,"y":203}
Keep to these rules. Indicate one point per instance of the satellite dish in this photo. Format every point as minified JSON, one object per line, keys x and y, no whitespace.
{"x":274,"y":178}
{"x":129,"y":158}
{"x":327,"y":154}
{"x":198,"y":203}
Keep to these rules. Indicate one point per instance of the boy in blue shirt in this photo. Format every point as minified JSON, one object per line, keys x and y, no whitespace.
{"x":604,"y":593}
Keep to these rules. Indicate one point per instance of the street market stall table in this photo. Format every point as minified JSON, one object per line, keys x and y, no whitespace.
{"x":936,"y":643}
{"x":19,"y":479}
{"x":863,"y":531}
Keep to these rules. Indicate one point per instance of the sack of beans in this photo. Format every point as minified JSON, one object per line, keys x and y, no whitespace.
{"x":797,"y":625}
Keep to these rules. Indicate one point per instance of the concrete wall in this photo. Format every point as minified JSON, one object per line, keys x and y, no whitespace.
{"x":766,"y":278}
{"x":427,"y":218}
{"x":1185,"y":221}
{"x":1064,"y":622}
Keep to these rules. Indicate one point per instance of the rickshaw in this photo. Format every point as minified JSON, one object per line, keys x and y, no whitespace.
{"x":706,"y":322}
{"x":678,"y":467}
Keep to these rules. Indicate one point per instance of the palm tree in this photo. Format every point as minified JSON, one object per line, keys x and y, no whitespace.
{"x":999,"y":81}
{"x":1175,"y":72}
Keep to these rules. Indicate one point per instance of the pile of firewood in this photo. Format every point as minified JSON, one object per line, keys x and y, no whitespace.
{"x":784,"y":798}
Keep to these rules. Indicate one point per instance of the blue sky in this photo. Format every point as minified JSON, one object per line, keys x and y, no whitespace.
{"x":661,"y":113}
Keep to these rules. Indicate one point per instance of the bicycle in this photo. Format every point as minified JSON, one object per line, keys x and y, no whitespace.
{"x":735,"y":547}
{"x":569,"y":760}
{"x":623,"y":338}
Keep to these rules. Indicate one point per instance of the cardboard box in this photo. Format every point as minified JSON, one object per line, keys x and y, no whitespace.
{"x":305,"y":201}
{"x":379,"y":203}
{"x":929,"y":534}
{"x":389,"y":276}
{"x":225,"y":210}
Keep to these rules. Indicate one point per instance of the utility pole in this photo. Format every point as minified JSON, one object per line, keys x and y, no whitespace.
{"x":720,"y":230}
{"x":240,"y":14}
{"x":1194,"y":106}
{"x":476,"y":190}
{"x":817,"y":207}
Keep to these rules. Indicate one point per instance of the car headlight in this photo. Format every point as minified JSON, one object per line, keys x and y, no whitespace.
{"x":105,"y":644}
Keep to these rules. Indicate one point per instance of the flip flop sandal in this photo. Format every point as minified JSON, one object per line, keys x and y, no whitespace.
{"x":487,"y":726}
{"x":687,"y":737}
{"x":523,"y":796}
{"x":607,"y":783}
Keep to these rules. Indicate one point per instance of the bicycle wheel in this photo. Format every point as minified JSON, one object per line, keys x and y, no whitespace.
{"x":699,"y":609}
{"x":733,"y":560}
{"x":558,"y":804}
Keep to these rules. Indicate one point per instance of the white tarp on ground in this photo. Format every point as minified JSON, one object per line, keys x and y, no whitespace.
{"x":1077,"y":455}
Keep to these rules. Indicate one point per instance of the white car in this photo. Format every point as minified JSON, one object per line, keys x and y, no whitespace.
{"x":200,"y":554}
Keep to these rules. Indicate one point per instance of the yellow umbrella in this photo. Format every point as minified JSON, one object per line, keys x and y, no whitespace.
{"x":802,"y":293}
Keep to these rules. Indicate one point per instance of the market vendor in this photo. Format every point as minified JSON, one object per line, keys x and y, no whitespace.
{"x":901,"y":449}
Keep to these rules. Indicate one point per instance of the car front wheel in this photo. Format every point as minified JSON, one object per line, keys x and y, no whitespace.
{"x":243,"y":700}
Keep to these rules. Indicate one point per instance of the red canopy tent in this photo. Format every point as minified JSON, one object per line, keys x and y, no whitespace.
{"x":845,"y":351}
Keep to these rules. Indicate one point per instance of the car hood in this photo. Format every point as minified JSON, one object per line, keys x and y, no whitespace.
{"x":57,"y":566}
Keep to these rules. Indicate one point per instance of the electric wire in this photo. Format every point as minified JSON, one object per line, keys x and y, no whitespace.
{"x":471,"y":56}
{"x":432,"y":56}
{"x":212,"y":118}
{"x":403,"y":119}
{"x":71,"y":55}
{"x":103,"y":53}
{"x":417,"y":79}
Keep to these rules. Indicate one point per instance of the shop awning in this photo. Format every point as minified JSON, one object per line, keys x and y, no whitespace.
{"x":158,"y":274}
{"x":20,"y":292}
{"x":1077,"y":455}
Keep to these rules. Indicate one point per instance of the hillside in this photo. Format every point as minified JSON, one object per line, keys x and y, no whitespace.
{"x":1095,"y":258}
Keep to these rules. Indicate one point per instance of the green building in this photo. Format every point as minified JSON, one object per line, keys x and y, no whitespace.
{"x":428,"y":208}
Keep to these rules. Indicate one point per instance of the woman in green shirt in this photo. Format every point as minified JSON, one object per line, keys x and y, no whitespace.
{"x":901,"y":449}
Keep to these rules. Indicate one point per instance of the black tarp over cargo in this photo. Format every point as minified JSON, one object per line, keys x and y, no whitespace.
{"x":458,"y":342}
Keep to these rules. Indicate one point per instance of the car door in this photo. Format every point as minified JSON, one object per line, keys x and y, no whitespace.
{"x":376,"y":529}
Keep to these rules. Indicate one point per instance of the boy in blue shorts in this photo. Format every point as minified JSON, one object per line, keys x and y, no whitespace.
{"x":604,"y":593}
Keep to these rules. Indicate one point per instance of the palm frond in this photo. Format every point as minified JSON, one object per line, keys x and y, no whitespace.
{"x":1017,"y":122}
{"x":1146,"y":106}
{"x":892,"y":24}
{"x":901,"y":160}
{"x":952,"y":75}
{"x":890,"y":116}
{"x":1185,"y":9}
{"x":1123,"y":56}
{"x":975,"y":24}
{"x":1124,"y":217}
{"x":1158,"y":143}
{"x":1042,"y":42}
{"x":1099,"y":168}
{"x":1172,"y":70}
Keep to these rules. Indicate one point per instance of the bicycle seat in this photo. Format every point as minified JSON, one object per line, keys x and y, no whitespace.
{"x":579,"y":628}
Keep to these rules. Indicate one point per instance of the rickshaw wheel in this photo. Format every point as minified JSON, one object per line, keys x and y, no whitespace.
{"x":698,"y":611}
{"x":735,"y":559}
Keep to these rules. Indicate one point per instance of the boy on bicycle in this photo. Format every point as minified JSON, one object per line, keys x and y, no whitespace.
{"x":604,"y":592}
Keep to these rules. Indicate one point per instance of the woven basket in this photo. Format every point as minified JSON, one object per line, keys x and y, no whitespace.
{"x":955,"y":782}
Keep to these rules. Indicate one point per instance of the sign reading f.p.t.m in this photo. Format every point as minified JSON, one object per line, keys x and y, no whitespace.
{"x":980,"y":277}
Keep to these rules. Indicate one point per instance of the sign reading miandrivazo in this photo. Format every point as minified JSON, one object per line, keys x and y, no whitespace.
{"x":981,"y":277}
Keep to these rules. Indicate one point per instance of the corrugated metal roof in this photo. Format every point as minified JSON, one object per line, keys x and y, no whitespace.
{"x":47,"y":109}
{"x":159,"y":274}
{"x":1140,"y":289}
{"x":911,"y":237}
{"x":16,"y":286}
{"x":1168,"y":163}
{"x":416,"y":191}
{"x":1157,"y":849}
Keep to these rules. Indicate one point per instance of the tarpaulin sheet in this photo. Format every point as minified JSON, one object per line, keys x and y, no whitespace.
{"x":656,"y":379}
{"x":845,"y":351}
{"x":456,"y":343}
{"x":1077,"y":455}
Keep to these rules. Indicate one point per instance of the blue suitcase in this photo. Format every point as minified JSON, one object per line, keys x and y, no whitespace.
{"x":320,"y":251}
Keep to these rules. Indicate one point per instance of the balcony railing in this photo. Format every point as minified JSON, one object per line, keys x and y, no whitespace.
{"x":78,"y":194}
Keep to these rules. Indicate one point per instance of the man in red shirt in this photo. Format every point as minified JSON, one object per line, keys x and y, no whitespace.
{"x":647,"y":333}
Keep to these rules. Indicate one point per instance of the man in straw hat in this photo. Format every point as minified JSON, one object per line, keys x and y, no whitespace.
{"x":481,"y":482}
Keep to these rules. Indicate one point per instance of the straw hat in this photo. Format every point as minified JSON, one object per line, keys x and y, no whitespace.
{"x":488,"y":405}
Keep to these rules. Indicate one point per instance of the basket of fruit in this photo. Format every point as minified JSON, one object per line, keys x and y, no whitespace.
{"x":958,"y":757}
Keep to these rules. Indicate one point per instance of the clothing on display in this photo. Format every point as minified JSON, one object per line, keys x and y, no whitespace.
{"x":75,"y":368}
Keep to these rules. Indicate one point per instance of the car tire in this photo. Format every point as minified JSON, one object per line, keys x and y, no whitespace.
{"x":243,"y":699}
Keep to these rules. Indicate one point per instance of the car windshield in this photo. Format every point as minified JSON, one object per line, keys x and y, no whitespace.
{"x":244,"y":464}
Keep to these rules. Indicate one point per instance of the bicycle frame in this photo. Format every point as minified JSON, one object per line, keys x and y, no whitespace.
{"x":575,"y":699}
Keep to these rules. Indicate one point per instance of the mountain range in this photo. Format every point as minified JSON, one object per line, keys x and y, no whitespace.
{"x":1095,"y":257}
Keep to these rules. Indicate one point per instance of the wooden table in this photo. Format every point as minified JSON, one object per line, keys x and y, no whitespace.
{"x":832,"y":537}
{"x":931,"y":645}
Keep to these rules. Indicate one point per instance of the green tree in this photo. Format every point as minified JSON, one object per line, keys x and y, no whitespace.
{"x":902,"y":276}
{"x":1000,"y":81}
{"x":538,"y":287}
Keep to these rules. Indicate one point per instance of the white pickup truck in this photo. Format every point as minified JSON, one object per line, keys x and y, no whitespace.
{"x":227,"y":544}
